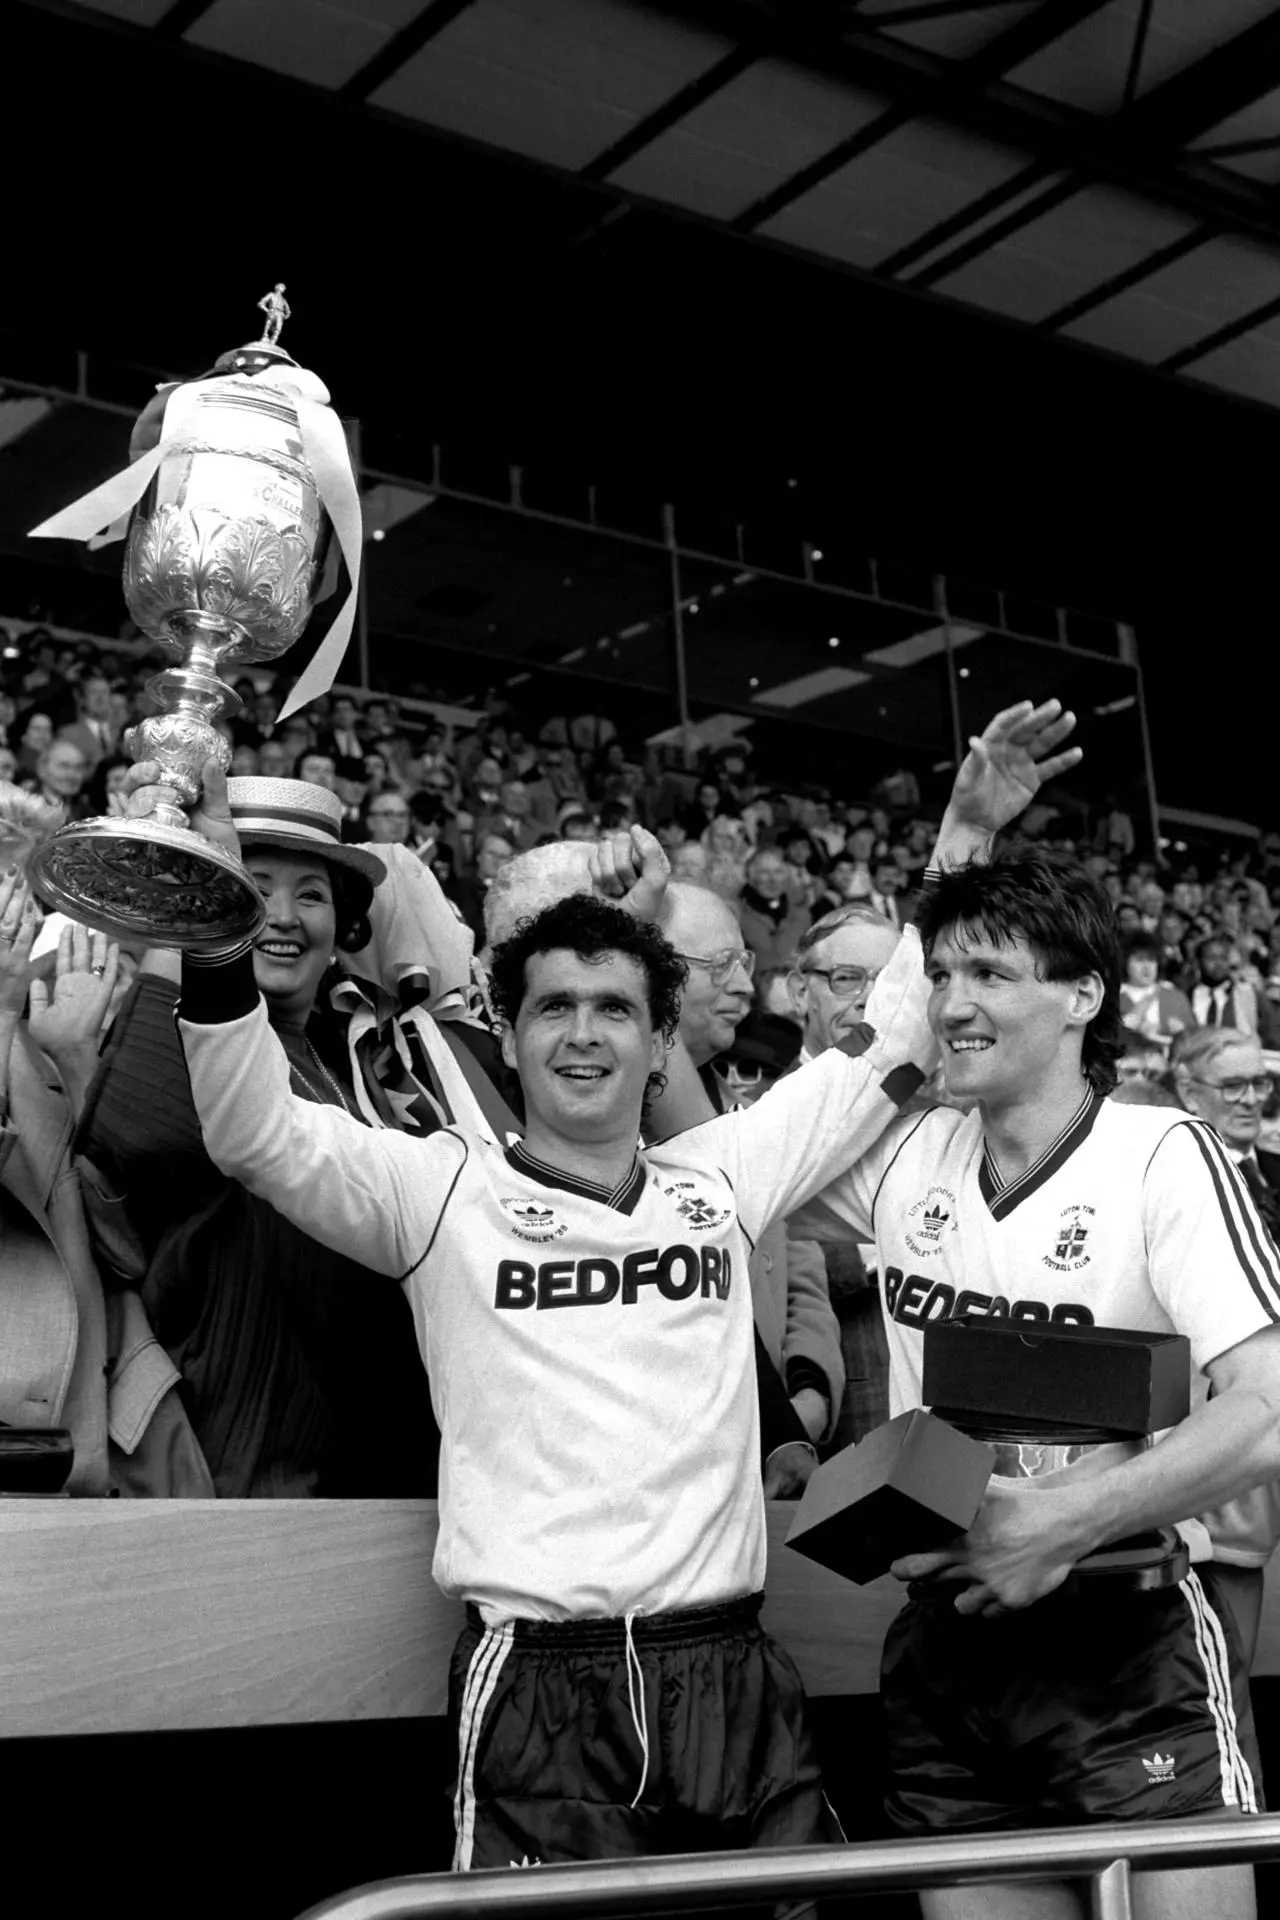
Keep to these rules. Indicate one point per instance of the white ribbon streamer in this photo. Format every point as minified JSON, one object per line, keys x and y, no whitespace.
{"x":102,"y":515}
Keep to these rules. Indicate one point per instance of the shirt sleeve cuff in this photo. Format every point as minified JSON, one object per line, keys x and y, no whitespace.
{"x":802,"y":1372}
{"x":213,"y":996}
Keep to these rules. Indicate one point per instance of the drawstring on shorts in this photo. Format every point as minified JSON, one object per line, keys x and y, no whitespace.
{"x":635,"y":1672}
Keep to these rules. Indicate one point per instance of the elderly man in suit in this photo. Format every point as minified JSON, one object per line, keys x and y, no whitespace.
{"x":1220,"y":1075}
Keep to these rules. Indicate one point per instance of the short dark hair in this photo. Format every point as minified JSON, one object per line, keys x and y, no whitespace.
{"x":1049,"y":899}
{"x":590,"y":927}
{"x":1142,"y":942}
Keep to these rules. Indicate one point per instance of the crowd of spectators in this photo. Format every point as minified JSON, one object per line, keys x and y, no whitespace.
{"x":787,"y":902}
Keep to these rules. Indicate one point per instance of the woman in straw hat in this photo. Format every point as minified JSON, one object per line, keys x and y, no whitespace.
{"x":300,"y":1370}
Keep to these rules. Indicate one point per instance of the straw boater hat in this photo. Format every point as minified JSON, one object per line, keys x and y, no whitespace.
{"x":297,"y":817}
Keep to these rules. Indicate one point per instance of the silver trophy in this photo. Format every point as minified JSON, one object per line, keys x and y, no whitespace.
{"x":223,"y":557}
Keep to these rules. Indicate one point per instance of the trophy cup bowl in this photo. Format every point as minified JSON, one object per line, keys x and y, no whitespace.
{"x":222,"y":561}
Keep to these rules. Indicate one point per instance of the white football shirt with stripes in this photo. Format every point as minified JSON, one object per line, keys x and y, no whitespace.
{"x":1133,"y":1217}
{"x":590,"y":1353}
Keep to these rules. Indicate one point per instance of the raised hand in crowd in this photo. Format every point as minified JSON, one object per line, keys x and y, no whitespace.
{"x":18,"y":923}
{"x":68,"y":1012}
{"x":632,"y":868}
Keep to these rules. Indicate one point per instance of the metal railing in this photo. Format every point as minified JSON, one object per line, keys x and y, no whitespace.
{"x":697,"y":1882}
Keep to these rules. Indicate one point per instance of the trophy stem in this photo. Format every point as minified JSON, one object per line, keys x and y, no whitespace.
{"x":182,"y":737}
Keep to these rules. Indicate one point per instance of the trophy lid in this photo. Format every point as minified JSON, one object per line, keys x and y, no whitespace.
{"x":257,"y":355}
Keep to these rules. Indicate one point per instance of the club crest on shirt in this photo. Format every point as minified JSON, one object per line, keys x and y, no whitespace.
{"x":929,"y":1220}
{"x":530,"y":1220}
{"x":1070,"y":1249}
{"x":699,"y":1214}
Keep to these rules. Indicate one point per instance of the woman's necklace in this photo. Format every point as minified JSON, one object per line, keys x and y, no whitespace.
{"x":330,"y":1080}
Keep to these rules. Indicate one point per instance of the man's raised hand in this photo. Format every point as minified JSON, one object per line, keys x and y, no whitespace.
{"x":632,"y":869}
{"x":1009,"y":762}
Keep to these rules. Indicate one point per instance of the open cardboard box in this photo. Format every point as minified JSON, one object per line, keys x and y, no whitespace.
{"x":910,"y":1486}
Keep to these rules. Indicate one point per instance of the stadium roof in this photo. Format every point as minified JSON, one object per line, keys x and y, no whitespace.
{"x":989,"y":290}
{"x":1105,"y":171}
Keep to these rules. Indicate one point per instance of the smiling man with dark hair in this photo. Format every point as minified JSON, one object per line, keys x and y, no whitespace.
{"x":583,"y":1311}
{"x":1011,"y":1701}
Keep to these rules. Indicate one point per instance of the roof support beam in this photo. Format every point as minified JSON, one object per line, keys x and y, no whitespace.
{"x":951,"y":83}
{"x":433,"y":19}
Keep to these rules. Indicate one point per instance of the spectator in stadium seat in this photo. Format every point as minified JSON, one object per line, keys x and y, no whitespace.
{"x":788,"y":1282}
{"x":577,"y":825}
{"x":493,"y":850}
{"x":8,"y":764}
{"x":318,"y":769}
{"x":344,"y":737}
{"x":671,"y":835}
{"x":1220,"y":999}
{"x":61,"y":771}
{"x":728,"y":848}
{"x":30,"y":735}
{"x":512,"y":818}
{"x":846,"y":881}
{"x":1221,"y":1075}
{"x":92,"y":730}
{"x":1149,"y":1004}
{"x":387,"y":818}
{"x":706,"y":805}
{"x":771,"y":911}
{"x":838,"y":963}
{"x":483,"y":789}
{"x":275,"y":762}
{"x":887,"y":880}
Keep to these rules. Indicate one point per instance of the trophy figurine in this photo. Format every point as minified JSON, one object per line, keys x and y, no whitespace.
{"x":232,"y":511}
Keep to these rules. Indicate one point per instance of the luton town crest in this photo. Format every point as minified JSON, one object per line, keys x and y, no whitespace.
{"x":698,"y":1213}
{"x":1070,"y":1250}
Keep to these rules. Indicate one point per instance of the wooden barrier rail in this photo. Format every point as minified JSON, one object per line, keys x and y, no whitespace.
{"x":135,"y":1616}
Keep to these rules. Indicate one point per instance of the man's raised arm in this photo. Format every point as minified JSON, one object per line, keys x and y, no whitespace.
{"x":375,"y":1196}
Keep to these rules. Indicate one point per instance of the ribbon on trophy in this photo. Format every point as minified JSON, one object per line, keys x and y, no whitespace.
{"x":102,"y":515}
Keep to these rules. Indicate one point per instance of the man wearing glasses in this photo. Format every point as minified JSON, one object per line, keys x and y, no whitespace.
{"x":788,"y":1280}
{"x":839,"y":961}
{"x":1221,"y":1075}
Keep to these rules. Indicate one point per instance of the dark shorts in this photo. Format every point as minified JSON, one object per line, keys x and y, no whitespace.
{"x":1083,"y":1707}
{"x":550,"y":1758}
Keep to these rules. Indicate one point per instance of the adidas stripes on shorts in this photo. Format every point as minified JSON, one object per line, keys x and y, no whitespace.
{"x":1089,"y":1705}
{"x":603,"y":1739}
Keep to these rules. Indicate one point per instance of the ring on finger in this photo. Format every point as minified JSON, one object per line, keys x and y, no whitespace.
{"x":100,"y":969}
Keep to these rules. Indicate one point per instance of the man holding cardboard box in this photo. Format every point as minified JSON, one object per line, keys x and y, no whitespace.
{"x":1011,"y":1703}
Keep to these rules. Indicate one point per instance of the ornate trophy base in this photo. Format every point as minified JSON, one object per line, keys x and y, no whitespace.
{"x":148,"y":883}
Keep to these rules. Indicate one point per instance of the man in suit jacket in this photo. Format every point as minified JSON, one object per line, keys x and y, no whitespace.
{"x":92,"y":730}
{"x":345,"y":738}
{"x":1218,"y":999}
{"x":1221,"y":1075}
